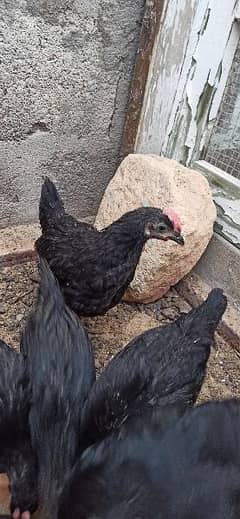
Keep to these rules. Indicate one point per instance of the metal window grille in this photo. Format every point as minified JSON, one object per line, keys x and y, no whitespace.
{"x":223,"y":149}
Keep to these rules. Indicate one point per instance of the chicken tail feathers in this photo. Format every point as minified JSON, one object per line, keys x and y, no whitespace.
{"x":215,"y":306}
{"x":49,"y":300}
{"x":205,"y":318}
{"x":51,"y":207}
{"x":49,"y":289}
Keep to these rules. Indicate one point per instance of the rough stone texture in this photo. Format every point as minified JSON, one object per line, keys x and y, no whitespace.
{"x":160,"y":182}
{"x":4,"y":494}
{"x":65,"y":73}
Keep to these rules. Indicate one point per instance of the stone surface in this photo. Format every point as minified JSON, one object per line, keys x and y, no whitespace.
{"x":160,"y":182}
{"x":65,"y":73}
{"x":4,"y":494}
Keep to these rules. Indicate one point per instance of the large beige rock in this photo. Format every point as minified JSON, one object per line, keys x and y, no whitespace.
{"x":157,"y":181}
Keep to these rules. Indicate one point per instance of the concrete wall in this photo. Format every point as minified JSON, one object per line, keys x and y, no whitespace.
{"x":65,"y":72}
{"x":219,"y":267}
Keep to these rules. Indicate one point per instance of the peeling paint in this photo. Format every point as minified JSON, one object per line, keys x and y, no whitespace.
{"x":164,"y":75}
{"x":182,"y":99}
{"x":205,"y":20}
{"x":202,"y":114}
{"x":189,"y":70}
{"x":237,"y":10}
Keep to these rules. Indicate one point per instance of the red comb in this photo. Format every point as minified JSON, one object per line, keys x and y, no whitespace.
{"x":174,"y":219}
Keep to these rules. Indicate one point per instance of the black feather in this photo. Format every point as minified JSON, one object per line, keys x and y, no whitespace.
{"x":51,"y":207}
{"x":61,"y":367}
{"x":190,"y":469}
{"x":16,"y":455}
{"x":165,"y":365}
{"x":93,"y":268}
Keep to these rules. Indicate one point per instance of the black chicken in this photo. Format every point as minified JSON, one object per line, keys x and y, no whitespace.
{"x":61,"y":367}
{"x":17,"y":459}
{"x":165,"y":365}
{"x":190,"y":469}
{"x":94,"y":268}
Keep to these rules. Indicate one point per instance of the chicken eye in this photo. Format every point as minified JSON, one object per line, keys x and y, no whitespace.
{"x":162,"y":227}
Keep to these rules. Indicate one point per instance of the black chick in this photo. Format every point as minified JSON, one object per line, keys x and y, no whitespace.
{"x":165,"y":365}
{"x":17,"y":459}
{"x":189,"y":470}
{"x":95,"y":268}
{"x":61,"y":367}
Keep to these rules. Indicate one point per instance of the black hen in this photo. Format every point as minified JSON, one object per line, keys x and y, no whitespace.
{"x":17,"y":459}
{"x":95,"y":268}
{"x":165,"y":365}
{"x":62,"y":372}
{"x":189,"y":470}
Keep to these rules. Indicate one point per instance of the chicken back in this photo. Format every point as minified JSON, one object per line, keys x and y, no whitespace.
{"x":190,"y":469}
{"x":61,"y":366}
{"x":165,"y":365}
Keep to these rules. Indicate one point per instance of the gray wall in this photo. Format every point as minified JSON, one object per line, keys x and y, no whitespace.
{"x":65,"y":72}
{"x":219,"y":267}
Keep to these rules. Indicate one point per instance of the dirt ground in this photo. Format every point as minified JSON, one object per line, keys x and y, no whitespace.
{"x":18,"y":288}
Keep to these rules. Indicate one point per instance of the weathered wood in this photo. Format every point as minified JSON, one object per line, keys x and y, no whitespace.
{"x":165,"y":73}
{"x":190,"y":67}
{"x":148,"y":34}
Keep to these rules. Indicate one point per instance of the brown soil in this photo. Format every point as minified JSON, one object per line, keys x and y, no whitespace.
{"x":18,"y":286}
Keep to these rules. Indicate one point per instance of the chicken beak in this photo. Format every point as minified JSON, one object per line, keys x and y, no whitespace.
{"x":177,"y":237}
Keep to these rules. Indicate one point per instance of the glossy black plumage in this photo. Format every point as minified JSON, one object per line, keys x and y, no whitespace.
{"x":189,"y":471}
{"x":165,"y":365}
{"x":95,"y":268}
{"x":16,"y":455}
{"x":61,"y":367}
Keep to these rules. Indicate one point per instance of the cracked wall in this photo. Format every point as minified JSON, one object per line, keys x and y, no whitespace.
{"x":65,"y":72}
